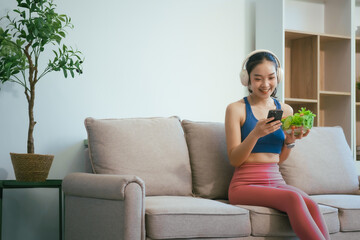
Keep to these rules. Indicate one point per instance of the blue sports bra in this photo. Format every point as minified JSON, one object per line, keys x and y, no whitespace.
{"x":271,"y":143}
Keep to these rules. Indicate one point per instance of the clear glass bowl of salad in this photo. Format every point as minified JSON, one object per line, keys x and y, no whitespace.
{"x":304,"y":119}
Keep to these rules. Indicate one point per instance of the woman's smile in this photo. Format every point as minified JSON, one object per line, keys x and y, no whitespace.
{"x":265,"y":91}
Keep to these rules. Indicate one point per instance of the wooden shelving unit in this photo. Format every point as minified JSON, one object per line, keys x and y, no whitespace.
{"x":318,"y":76}
{"x":315,"y":42}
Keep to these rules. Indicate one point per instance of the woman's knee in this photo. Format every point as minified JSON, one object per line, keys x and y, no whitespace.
{"x":292,"y":197}
{"x":311,"y":205}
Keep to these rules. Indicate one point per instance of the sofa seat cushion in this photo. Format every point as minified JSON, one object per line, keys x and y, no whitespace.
{"x":348,"y":207}
{"x":268,"y":222}
{"x":154,"y":149}
{"x":190,"y":217}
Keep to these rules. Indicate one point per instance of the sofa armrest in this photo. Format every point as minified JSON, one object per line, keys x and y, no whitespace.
{"x":102,"y":206}
{"x":103,"y":186}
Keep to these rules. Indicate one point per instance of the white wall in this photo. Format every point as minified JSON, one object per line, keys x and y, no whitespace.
{"x":143,"y":58}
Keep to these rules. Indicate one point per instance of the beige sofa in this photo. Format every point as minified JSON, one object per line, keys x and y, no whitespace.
{"x":163,"y":178}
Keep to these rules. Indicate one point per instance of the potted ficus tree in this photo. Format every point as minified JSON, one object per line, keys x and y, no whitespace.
{"x":25,"y":34}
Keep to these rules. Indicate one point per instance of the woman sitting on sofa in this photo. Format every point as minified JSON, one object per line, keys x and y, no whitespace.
{"x":256,"y":146}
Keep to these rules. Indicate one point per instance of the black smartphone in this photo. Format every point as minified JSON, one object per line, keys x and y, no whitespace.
{"x":276,"y":113}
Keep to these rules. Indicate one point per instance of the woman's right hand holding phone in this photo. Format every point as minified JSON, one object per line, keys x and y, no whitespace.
{"x":265,"y":127}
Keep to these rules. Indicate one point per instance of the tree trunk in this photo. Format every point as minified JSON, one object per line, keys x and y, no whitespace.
{"x":30,"y":96}
{"x":30,"y":142}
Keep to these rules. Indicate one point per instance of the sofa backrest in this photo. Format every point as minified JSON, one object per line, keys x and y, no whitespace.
{"x":321,"y":163}
{"x":210,"y":166}
{"x":156,"y":150}
{"x":153,"y":149}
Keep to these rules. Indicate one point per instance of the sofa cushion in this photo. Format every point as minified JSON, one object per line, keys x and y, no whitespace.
{"x":210,"y":166}
{"x":189,"y":217}
{"x":321,"y":163}
{"x":348,"y":207}
{"x":270,"y":222}
{"x":153,"y":149}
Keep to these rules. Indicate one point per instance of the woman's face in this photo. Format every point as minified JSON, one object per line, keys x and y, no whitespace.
{"x":263,"y":79}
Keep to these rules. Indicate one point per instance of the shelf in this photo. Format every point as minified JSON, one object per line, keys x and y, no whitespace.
{"x":334,"y":93}
{"x":300,"y":100}
{"x":333,"y":37}
{"x":295,"y":34}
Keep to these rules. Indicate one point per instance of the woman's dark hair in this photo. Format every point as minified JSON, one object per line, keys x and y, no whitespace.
{"x":255,"y":60}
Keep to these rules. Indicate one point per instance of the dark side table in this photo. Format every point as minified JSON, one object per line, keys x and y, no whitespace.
{"x":4,"y":184}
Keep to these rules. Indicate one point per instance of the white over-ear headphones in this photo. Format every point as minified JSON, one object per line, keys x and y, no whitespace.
{"x":244,"y":76}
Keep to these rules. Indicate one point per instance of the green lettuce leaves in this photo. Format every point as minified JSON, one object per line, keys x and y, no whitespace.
{"x":304,"y":118}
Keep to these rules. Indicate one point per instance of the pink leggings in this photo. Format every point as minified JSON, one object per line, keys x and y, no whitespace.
{"x":261,"y":184}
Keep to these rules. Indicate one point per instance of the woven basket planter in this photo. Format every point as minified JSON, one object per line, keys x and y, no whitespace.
{"x":29,"y":167}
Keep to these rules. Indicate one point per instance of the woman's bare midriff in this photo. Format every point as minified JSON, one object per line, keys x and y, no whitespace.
{"x":263,"y":158}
